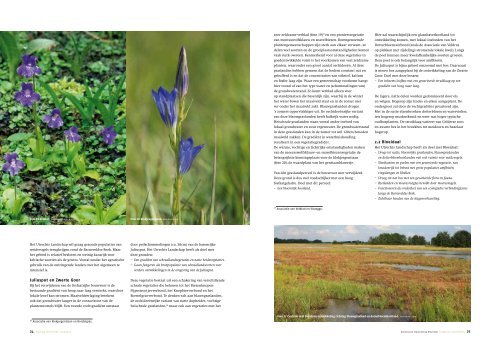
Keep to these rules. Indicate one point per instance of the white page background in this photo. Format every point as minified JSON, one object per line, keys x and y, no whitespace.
{"x":246,"y":322}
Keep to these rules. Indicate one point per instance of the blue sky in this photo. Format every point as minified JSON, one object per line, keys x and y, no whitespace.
{"x":329,"y":233}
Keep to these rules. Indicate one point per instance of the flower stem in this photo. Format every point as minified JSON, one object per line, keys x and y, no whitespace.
{"x":38,"y":146}
{"x":176,"y":207}
{"x":176,"y":213}
{"x":34,"y":108}
{"x":15,"y":189}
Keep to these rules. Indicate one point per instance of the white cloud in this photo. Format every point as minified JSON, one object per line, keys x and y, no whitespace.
{"x":385,"y":228}
{"x":351,"y":229}
{"x":293,"y":231}
{"x":323,"y":232}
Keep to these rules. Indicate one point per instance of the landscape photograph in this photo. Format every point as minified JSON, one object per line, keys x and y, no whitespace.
{"x":188,"y":157}
{"x":369,"y":273}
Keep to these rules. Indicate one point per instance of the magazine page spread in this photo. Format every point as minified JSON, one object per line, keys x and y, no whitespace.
{"x":222,"y":176}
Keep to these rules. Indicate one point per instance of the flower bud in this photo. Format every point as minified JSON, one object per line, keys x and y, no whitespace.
{"x":182,"y":77}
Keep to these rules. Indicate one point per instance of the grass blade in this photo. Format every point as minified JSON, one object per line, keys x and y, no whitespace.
{"x":244,"y":215}
{"x":101,"y":88}
{"x":99,"y":208}
{"x":91,"y":105}
{"x":190,"y":195}
{"x":10,"y":52}
{"x":214,"y":175}
{"x":143,"y":208}
{"x":105,"y":113}
{"x":58,"y":103}
{"x":113,"y":99}
{"x":202,"y":217}
{"x":76,"y":102}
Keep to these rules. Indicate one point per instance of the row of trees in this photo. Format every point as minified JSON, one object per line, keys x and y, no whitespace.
{"x":388,"y":239}
{"x":461,"y":239}
{"x":307,"y":241}
{"x":295,"y":241}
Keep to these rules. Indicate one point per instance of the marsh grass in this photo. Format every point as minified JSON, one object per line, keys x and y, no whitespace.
{"x":306,"y":277}
{"x":219,"y":74}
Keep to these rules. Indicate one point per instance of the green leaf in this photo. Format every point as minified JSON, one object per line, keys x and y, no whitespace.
{"x":8,"y":198}
{"x":15,"y":205}
{"x":34,"y":164}
{"x":119,"y":221}
{"x":20,"y":136}
{"x":57,"y":153}
{"x":10,"y":52}
{"x":79,"y":106}
{"x":84,"y":215}
{"x":19,"y":204}
{"x":92,"y":174}
{"x":57,"y":157}
{"x":113,"y":101}
{"x":32,"y":144}
{"x":5,"y":86}
{"x":98,"y":67}
{"x":214,"y":175}
{"x":103,"y":111}
{"x":40,"y":144}
{"x":40,"y":44}
{"x":101,"y":88}
{"x":99,"y":209}
{"x":53,"y":95}
{"x":116,"y":210}
{"x":91,"y":106}
{"x":79,"y":162}
{"x":72,"y":151}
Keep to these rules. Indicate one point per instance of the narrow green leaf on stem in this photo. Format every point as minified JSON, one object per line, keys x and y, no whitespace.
{"x":191,"y":194}
{"x":53,"y":95}
{"x":143,"y":208}
{"x":76,"y":102}
{"x":214,"y":175}
{"x":99,"y":208}
{"x":113,"y":99}
{"x":202,"y":216}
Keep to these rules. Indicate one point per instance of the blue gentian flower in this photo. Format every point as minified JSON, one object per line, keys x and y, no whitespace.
{"x":72,"y":134}
{"x":28,"y":68}
{"x":53,"y":120}
{"x":187,"y":153}
{"x":27,"y":96}
{"x":182,"y":76}
{"x":167,"y":105}
{"x":12,"y":164}
{"x":109,"y":135}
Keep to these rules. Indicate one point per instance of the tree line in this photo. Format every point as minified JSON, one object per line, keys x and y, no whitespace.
{"x":461,"y":239}
{"x":295,"y":241}
{"x":307,"y":241}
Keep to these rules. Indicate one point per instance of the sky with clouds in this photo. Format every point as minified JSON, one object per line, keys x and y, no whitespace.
{"x":328,"y":233}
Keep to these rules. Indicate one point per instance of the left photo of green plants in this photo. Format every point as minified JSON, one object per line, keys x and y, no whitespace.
{"x":62,"y":128}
